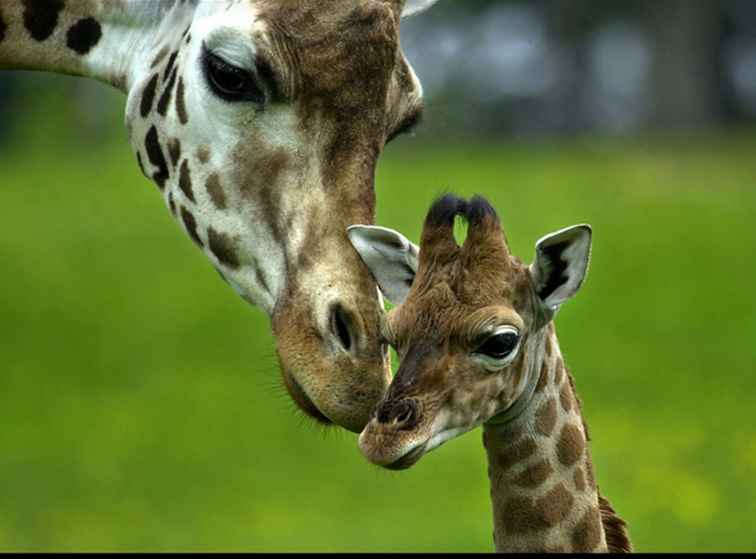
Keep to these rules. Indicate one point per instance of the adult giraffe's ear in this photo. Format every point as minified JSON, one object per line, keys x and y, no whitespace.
{"x":412,"y":7}
{"x":560,"y":265}
{"x":390,"y":257}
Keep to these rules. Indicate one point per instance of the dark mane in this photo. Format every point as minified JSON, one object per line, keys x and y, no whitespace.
{"x":615,"y":529}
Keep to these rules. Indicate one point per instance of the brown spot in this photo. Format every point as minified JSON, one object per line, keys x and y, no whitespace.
{"x":544,"y":378}
{"x":535,"y":475}
{"x":522,"y":514}
{"x":559,"y":372}
{"x":174,"y":150}
{"x":185,"y":181}
{"x":165,"y":99}
{"x":579,"y":478}
{"x":214,"y":188}
{"x":171,"y":203}
{"x":203,"y":154}
{"x":513,"y":454}
{"x":549,"y":347}
{"x":169,"y":66}
{"x":587,"y":534}
{"x":84,"y":35}
{"x":181,"y":102}
{"x":565,"y":397}
{"x":148,"y":97}
{"x":191,"y":225}
{"x":546,"y":417}
{"x":155,"y":154}
{"x":223,"y":248}
{"x":571,"y":445}
{"x":41,"y":17}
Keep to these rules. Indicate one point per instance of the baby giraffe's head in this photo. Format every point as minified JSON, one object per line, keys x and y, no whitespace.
{"x":470,"y":324}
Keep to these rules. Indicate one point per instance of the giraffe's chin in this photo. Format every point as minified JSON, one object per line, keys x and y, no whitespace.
{"x":303,"y":401}
{"x":408,"y":460}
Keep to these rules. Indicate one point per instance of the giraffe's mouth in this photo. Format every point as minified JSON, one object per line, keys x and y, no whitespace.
{"x":408,"y":460}
{"x":302,"y":400}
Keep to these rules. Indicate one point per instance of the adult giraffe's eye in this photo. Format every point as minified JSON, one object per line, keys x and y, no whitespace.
{"x":500,"y":345}
{"x":231,"y":83}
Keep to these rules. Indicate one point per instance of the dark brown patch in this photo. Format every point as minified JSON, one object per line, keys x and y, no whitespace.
{"x":84,"y":35}
{"x":203,"y":154}
{"x":587,"y":534}
{"x":543,"y":380}
{"x":565,"y":397}
{"x":534,"y":475}
{"x":579,"y":478}
{"x":41,"y":17}
{"x":148,"y":97}
{"x":181,"y":103}
{"x":165,"y":99}
{"x":571,"y":445}
{"x":546,"y":417}
{"x":174,"y":150}
{"x":615,"y":529}
{"x":215,"y":190}
{"x":171,"y":203}
{"x":155,"y":154}
{"x":523,"y":515}
{"x":185,"y":181}
{"x":160,"y":57}
{"x":559,"y":372}
{"x":223,"y":248}
{"x":514,"y":454}
{"x":191,"y":225}
{"x":261,"y":187}
{"x":169,"y":66}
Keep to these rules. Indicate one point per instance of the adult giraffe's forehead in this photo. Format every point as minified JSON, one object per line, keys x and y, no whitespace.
{"x":343,"y":51}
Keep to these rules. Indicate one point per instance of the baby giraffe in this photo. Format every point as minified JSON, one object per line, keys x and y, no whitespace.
{"x":474,"y":332}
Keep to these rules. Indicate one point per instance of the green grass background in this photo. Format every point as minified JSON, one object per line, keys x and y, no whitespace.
{"x":140,"y":406}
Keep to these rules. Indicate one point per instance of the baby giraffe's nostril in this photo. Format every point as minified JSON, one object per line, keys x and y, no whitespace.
{"x":403,"y":414}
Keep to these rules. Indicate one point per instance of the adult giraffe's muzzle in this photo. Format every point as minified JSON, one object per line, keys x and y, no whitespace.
{"x":327,"y":325}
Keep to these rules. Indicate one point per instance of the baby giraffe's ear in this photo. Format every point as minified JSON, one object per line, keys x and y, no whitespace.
{"x":561,"y":264}
{"x":391,"y":258}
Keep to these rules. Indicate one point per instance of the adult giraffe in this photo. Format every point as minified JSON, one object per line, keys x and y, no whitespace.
{"x":261,"y":122}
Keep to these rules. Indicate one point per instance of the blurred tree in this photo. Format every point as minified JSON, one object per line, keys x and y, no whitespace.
{"x":685,"y":75}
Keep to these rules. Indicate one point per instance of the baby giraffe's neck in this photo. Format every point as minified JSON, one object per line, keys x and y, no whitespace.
{"x":543,"y":487}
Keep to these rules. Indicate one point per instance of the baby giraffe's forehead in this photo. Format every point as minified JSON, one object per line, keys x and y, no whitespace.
{"x":461,"y":300}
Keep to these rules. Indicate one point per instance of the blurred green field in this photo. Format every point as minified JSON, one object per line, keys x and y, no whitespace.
{"x":140,"y":406}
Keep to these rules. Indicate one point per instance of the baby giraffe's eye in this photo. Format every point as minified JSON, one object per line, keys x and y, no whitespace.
{"x":500,"y":345}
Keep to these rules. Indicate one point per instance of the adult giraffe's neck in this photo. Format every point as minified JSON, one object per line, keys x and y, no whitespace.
{"x":109,"y":40}
{"x":543,"y":489}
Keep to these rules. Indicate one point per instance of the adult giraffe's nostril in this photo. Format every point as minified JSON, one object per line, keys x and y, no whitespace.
{"x":343,"y":326}
{"x":403,"y":413}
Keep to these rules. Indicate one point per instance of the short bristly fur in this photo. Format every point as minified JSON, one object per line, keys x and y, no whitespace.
{"x":478,"y":346}
{"x":266,"y":183}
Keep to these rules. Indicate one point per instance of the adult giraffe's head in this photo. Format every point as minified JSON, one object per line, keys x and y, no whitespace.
{"x":261,"y":122}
